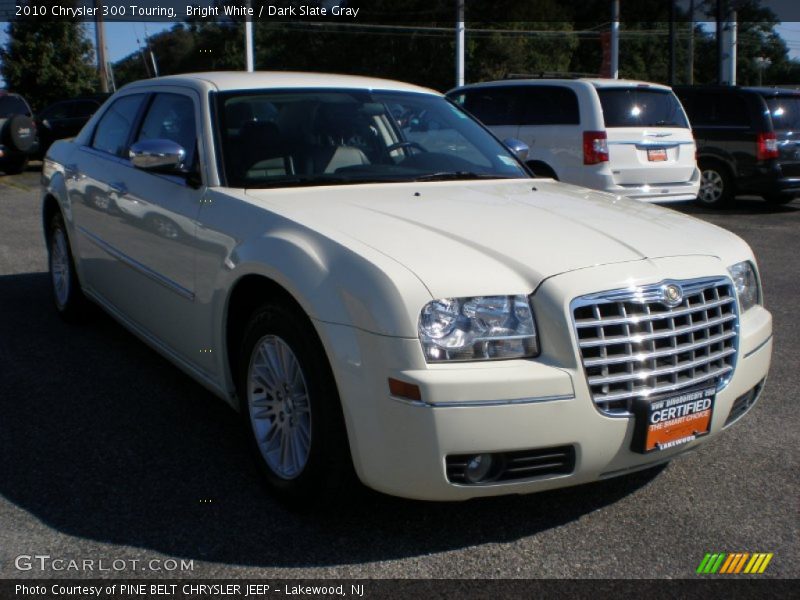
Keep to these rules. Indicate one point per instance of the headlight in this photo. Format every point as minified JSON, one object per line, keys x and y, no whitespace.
{"x":478,"y":328}
{"x":746,"y":283}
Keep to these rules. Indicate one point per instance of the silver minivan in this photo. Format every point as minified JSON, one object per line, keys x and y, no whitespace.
{"x":629,"y":138}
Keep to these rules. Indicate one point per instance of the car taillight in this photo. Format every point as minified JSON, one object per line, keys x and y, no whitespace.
{"x":766,"y":146}
{"x":595,"y":147}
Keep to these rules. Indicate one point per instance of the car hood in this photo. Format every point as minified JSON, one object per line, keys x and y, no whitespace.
{"x":497,"y":236}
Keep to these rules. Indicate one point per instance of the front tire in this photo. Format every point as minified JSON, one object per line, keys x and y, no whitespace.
{"x":68,"y":297}
{"x":290,"y":408}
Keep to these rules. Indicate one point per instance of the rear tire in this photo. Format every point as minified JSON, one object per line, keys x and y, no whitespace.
{"x":716,"y":185}
{"x":14,"y":166}
{"x":290,"y":409}
{"x":68,"y":297}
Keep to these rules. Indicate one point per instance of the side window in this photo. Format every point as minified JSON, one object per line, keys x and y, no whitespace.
{"x":732,"y":112}
{"x":171,"y":117}
{"x":114,"y":128}
{"x":717,"y":110}
{"x":550,"y":105}
{"x":494,"y":105}
{"x":61,"y":110}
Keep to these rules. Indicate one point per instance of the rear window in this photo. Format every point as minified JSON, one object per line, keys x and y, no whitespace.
{"x":785,"y":112}
{"x":550,"y":105}
{"x":637,"y":107}
{"x":12,"y":105}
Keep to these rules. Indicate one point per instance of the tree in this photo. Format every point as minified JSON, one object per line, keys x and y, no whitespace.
{"x":47,"y":60}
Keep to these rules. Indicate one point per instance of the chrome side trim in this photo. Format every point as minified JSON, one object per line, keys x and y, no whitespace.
{"x":514,"y":401}
{"x":759,"y":347}
{"x":137,"y":266}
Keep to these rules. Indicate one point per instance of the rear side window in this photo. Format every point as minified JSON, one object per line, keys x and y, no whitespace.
{"x":60,"y":110}
{"x":494,"y":105}
{"x":13,"y":105}
{"x":638,"y":107}
{"x":171,"y":117}
{"x":114,"y":129}
{"x":83,"y":109}
{"x":550,"y":105}
{"x":785,"y":112}
{"x":713,"y":109}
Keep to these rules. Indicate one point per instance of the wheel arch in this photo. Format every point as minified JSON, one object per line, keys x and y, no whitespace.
{"x":541,"y":168}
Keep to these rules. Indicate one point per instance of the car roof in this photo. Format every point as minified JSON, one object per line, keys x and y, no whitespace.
{"x":597,"y":82}
{"x":773,"y":91}
{"x":241,"y":80}
{"x":762,"y":90}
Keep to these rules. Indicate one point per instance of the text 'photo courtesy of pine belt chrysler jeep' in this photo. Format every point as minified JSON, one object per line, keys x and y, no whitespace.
{"x":629,"y":138}
{"x":409,"y":306}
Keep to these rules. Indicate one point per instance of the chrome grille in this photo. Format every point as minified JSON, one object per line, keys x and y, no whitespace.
{"x":633,"y":345}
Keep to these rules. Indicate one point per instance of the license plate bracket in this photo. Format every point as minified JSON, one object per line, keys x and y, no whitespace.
{"x":672,"y":419}
{"x":656,"y":154}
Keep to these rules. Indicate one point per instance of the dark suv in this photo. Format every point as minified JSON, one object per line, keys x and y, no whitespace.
{"x":64,"y":119}
{"x":748,"y":141}
{"x":17,"y":133}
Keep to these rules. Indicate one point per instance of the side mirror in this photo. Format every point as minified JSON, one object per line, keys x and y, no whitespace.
{"x":152,"y":155}
{"x":519,"y":148}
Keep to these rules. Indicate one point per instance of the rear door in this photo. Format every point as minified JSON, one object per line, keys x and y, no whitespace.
{"x":785,"y":113}
{"x":649,"y":139}
{"x":551,"y":126}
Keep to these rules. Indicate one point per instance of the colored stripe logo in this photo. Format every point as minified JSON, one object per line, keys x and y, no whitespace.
{"x":732,"y":563}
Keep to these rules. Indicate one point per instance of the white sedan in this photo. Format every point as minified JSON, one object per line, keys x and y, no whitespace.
{"x":380,"y":287}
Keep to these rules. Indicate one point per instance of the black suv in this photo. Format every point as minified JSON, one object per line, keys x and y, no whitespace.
{"x":748,"y":141}
{"x":17,"y":133}
{"x":65,"y":119}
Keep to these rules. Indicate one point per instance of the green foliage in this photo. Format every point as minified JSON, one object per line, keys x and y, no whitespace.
{"x":564,"y":37}
{"x":47,"y":60}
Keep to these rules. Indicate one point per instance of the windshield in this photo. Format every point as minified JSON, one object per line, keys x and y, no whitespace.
{"x":324,"y":137}
{"x":638,"y":107}
{"x":785,"y":112}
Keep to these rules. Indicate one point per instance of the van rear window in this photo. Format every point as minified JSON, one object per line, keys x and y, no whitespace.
{"x":637,"y":107}
{"x":785,"y":112}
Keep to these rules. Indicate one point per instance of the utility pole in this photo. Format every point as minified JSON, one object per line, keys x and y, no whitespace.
{"x":720,"y":16}
{"x":460,"y":28}
{"x":614,"y":39}
{"x":100,"y":41}
{"x":248,"y":41}
{"x":690,"y":64}
{"x":672,"y":42}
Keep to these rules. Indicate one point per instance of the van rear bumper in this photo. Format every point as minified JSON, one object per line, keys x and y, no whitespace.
{"x":653,"y":192}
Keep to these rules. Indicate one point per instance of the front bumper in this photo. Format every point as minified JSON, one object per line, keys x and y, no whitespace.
{"x":400,"y":446}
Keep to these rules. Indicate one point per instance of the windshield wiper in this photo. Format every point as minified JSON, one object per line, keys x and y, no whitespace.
{"x":452,"y":175}
{"x":304,"y":180}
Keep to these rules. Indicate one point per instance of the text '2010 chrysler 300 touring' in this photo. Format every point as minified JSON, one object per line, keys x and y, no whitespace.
{"x":401,"y":300}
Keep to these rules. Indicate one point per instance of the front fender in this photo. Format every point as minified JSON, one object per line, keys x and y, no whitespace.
{"x":333,"y":283}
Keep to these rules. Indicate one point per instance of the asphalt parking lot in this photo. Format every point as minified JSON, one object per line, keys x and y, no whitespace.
{"x":109,"y":452}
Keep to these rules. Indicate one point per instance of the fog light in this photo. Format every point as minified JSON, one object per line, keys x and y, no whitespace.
{"x":478,"y":468}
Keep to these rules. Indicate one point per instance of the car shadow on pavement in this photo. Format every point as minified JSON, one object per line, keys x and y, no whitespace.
{"x":102,"y":438}
{"x":741,"y":206}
